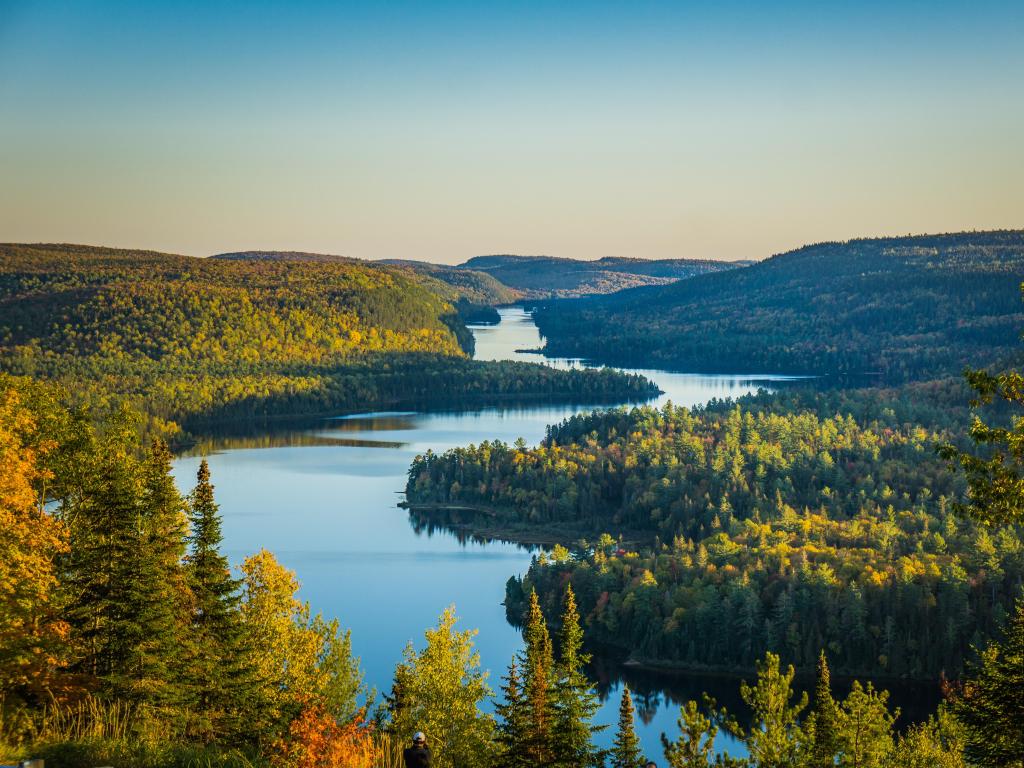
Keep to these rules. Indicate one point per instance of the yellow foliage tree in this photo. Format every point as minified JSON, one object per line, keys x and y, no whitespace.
{"x":30,"y":539}
{"x":298,"y":658}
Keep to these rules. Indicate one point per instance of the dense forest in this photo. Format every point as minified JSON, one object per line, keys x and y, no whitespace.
{"x":539,"y":277}
{"x":190,"y":340}
{"x":787,"y":522}
{"x":125,"y":640}
{"x":473,"y":293}
{"x":894,"y":308}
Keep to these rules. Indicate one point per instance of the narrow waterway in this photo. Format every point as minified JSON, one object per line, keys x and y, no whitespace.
{"x":323,"y":499}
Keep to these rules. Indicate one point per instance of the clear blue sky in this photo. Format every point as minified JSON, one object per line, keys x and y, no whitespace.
{"x":444,"y":130}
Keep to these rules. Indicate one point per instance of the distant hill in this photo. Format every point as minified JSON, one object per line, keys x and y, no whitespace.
{"x":322,"y":258}
{"x":548,"y":276}
{"x":897,"y":308}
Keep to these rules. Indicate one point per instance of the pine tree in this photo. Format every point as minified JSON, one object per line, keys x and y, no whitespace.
{"x":991,"y":705}
{"x":626,"y":751}
{"x":774,"y":738}
{"x":575,"y":701}
{"x":538,"y":674}
{"x":823,"y":724}
{"x":866,"y":734}
{"x":696,"y":743}
{"x":513,"y":726}
{"x":220,"y":675}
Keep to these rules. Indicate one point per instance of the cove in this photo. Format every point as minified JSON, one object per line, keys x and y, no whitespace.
{"x":323,"y":498}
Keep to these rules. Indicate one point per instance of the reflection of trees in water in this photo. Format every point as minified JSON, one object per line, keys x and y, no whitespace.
{"x":301,"y":433}
{"x":656,"y":690}
{"x":462,"y":524}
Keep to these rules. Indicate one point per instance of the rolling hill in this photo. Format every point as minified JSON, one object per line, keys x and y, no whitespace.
{"x":893,"y":308}
{"x":188,"y":339}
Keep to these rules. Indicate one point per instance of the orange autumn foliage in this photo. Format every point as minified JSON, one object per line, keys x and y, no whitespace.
{"x":316,"y":740}
{"x":30,"y":539}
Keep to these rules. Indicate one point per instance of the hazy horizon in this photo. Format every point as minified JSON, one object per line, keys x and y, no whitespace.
{"x":655,"y":130}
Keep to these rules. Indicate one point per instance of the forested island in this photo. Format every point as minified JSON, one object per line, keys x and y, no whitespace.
{"x":190,"y":341}
{"x":889,"y":309}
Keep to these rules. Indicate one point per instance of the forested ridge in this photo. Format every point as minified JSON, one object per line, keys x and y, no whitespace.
{"x":190,"y":340}
{"x":897,"y":309}
{"x":789,"y":523}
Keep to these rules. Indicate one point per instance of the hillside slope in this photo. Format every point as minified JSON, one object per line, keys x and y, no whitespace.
{"x":547,"y":276}
{"x":466,"y":288}
{"x":895,"y":308}
{"x":187,"y":338}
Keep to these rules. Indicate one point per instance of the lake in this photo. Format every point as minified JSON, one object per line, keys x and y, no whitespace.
{"x":323,"y":498}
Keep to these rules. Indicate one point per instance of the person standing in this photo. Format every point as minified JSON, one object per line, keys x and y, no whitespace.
{"x":418,"y":755}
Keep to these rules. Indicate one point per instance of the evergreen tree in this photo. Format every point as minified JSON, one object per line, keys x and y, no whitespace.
{"x":866,"y":735}
{"x":220,"y":673}
{"x":991,"y":704}
{"x":695,"y":746}
{"x":823,"y":724}
{"x":774,"y":738}
{"x":513,"y":726}
{"x":575,"y":701}
{"x":122,"y":576}
{"x":162,"y":593}
{"x":538,"y":672}
{"x":626,"y":751}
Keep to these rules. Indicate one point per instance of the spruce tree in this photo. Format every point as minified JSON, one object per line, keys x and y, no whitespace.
{"x":120,"y":569}
{"x":513,"y":725}
{"x":220,"y":676}
{"x":538,"y":673}
{"x":160,"y":589}
{"x":626,"y":751}
{"x":824,"y":723}
{"x":991,"y":704}
{"x":575,"y":701}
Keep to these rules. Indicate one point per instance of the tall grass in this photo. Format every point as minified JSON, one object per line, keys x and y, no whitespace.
{"x":93,"y":732}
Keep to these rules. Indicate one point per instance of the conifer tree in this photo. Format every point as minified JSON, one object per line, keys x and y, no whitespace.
{"x":695,"y":746}
{"x":121,"y":576}
{"x":823,"y":724}
{"x":513,"y":726}
{"x":162,"y":592}
{"x":991,"y":705}
{"x":575,"y":701}
{"x":774,"y":738}
{"x":538,"y":673}
{"x":866,"y":735}
{"x":626,"y":751}
{"x":220,"y":674}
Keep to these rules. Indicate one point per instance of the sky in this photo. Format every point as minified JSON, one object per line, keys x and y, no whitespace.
{"x":444,"y":130}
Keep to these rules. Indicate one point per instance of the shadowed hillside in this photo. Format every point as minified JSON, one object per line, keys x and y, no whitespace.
{"x":897,"y":308}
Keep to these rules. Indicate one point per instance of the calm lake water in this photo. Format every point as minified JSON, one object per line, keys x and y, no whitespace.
{"x":323,"y":499}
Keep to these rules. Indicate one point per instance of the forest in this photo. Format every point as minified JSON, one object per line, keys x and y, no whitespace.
{"x":784,"y":522}
{"x":888,"y":309}
{"x":127,"y":641}
{"x":189,"y":341}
